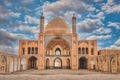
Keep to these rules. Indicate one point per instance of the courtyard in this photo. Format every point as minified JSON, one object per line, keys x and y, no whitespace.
{"x":59,"y":74}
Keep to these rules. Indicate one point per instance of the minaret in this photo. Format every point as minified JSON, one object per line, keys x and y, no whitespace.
{"x":74,"y":24}
{"x":42,"y":24}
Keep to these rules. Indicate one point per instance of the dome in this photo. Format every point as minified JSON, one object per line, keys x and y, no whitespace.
{"x":57,"y":25}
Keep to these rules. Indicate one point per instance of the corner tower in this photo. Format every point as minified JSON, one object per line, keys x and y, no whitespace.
{"x":74,"y":55}
{"x":41,"y":49}
{"x":42,"y":24}
{"x":74,"y":24}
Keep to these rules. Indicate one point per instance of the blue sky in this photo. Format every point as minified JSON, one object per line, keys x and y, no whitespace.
{"x":96,"y":20}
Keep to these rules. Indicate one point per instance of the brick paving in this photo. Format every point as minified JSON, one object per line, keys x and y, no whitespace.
{"x":59,"y":75}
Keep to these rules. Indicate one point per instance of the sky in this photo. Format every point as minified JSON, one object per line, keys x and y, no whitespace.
{"x":96,"y":20}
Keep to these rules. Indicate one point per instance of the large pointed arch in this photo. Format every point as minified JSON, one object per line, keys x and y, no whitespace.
{"x":112,"y":63}
{"x":47,"y":63}
{"x":57,"y":63}
{"x":83,"y":63}
{"x":57,"y":41}
{"x":32,"y":62}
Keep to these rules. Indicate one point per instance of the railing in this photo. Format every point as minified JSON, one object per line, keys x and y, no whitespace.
{"x":58,"y":55}
{"x":62,"y":67}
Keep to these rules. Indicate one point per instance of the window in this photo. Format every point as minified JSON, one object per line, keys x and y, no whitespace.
{"x":32,"y":50}
{"x":82,"y":50}
{"x":79,"y":50}
{"x":36,"y":50}
{"x":92,"y":51}
{"x":69,"y":53}
{"x":23,"y":51}
{"x":86,"y":50}
{"x":57,"y":52}
{"x":99,"y":53}
{"x":28,"y":50}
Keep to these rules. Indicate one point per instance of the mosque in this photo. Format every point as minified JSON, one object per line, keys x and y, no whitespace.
{"x":58,"y":47}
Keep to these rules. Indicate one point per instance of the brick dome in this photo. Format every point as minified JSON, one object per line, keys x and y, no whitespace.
{"x":57,"y":25}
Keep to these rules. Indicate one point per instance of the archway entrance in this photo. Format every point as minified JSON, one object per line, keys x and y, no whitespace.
{"x":32,"y":62}
{"x":112,"y":63}
{"x":57,"y":63}
{"x":82,"y":63}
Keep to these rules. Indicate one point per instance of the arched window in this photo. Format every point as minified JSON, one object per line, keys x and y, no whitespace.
{"x":86,"y":50}
{"x":92,"y":51}
{"x":23,"y":51}
{"x":36,"y":50}
{"x":47,"y":63}
{"x":57,"y":52}
{"x":32,"y":50}
{"x":69,"y":53}
{"x":28,"y":50}
{"x":82,"y":50}
{"x":79,"y":50}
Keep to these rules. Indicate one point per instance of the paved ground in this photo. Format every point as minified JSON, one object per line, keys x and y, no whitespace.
{"x":59,"y":75}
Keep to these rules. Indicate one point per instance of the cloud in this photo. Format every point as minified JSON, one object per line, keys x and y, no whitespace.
{"x":89,"y":25}
{"x":102,"y":30}
{"x":5,"y":14}
{"x":8,"y":49}
{"x":83,"y":36}
{"x":113,"y":47}
{"x":7,"y":3}
{"x":8,"y":38}
{"x":31,"y":20}
{"x":110,"y":7}
{"x":100,"y":15}
{"x":101,"y":37}
{"x":62,"y":6}
{"x":31,"y":29}
{"x":27,"y":1}
{"x":116,"y":45}
{"x":114,"y":24}
{"x":117,"y":42}
{"x":115,"y":8}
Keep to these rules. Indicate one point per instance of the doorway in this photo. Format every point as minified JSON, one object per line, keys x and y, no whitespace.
{"x":82,"y":63}
{"x":57,"y":63}
{"x":32,"y":62}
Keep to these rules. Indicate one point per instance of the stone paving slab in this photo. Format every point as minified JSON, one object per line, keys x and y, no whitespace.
{"x":59,"y":75}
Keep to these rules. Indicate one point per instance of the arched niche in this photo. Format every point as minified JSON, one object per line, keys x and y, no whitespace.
{"x":68,"y":63}
{"x":47,"y":63}
{"x":23,"y":63}
{"x":15,"y":64}
{"x":11,"y":68}
{"x":57,"y":63}
{"x":3,"y":64}
{"x":18,"y":64}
